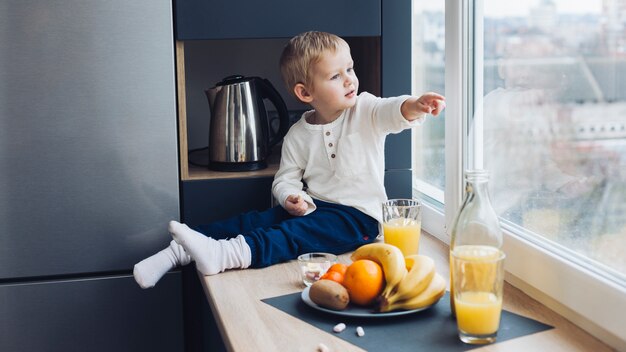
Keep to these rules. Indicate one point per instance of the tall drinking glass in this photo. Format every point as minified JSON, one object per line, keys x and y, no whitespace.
{"x":478,"y":275}
{"x":402,"y":224}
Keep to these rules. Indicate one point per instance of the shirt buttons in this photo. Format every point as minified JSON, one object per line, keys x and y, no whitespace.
{"x":332,"y":156}
{"x":328,"y":133}
{"x":330,"y":145}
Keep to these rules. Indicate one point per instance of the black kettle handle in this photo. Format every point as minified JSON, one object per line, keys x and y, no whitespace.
{"x":272,"y":94}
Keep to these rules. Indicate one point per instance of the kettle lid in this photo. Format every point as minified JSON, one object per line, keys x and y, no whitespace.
{"x":232,"y":80}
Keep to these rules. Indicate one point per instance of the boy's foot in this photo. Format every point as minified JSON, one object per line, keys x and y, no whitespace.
{"x":211,"y":256}
{"x":150,"y":270}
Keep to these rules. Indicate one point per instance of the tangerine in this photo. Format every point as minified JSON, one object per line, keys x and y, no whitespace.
{"x":333,"y":275}
{"x":364,"y":281}
{"x":339,"y":267}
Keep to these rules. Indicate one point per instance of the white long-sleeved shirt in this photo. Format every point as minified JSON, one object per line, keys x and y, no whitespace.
{"x":342,"y":161}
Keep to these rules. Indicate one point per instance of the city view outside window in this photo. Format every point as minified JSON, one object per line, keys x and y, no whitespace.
{"x":554,"y":120}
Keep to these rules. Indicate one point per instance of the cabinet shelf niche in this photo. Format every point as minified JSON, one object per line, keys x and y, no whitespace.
{"x":367,"y":56}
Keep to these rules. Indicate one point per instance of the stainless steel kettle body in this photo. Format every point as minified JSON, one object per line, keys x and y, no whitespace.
{"x":239,"y":138}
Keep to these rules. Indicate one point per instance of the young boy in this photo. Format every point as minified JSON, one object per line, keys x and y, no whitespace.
{"x":330,"y":181}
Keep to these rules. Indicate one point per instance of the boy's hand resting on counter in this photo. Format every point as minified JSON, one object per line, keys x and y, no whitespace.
{"x":429,"y":103}
{"x":296,"y":205}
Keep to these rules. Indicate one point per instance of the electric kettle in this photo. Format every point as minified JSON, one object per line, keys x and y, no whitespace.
{"x":239,"y":138}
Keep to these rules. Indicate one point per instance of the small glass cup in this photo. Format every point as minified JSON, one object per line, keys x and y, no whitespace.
{"x":314,"y":265}
{"x":402,"y":224}
{"x":478,"y":278}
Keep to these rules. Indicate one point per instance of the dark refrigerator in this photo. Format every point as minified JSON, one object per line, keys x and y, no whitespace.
{"x":88,"y":175}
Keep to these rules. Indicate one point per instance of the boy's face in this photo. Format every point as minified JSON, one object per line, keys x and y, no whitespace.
{"x":334,"y":84}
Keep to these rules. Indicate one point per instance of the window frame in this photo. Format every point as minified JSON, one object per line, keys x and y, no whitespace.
{"x":538,"y":268}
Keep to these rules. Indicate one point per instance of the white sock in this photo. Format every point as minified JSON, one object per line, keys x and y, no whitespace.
{"x":150,"y":270}
{"x":212,"y":256}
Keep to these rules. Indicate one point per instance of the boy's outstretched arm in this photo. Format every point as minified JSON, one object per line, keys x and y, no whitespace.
{"x":429,"y":103}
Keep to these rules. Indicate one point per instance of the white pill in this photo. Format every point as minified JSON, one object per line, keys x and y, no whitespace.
{"x":339,"y":327}
{"x":322,"y":348}
{"x":359,"y":331}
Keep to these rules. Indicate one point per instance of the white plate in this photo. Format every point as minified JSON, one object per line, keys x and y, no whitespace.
{"x":354,"y":311}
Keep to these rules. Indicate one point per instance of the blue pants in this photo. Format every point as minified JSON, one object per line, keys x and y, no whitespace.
{"x":274,"y":236}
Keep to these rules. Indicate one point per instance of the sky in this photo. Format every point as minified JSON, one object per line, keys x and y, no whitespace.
{"x":505,"y":8}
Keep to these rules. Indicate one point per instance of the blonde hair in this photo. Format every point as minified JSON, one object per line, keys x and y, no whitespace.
{"x":302,"y":52}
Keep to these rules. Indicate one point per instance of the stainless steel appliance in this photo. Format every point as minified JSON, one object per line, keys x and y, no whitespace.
{"x":88,"y":174}
{"x":239,"y":138}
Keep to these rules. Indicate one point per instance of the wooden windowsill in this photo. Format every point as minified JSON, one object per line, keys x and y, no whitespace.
{"x":247,"y":324}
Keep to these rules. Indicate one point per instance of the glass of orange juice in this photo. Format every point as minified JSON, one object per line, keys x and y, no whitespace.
{"x":402,"y":224}
{"x":478,"y":278}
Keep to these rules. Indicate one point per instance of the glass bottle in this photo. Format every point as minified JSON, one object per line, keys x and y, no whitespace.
{"x":476,"y":223}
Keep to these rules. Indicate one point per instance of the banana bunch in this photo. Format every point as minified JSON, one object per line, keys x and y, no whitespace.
{"x":433,"y":292}
{"x":415,"y":281}
{"x":418,"y":287}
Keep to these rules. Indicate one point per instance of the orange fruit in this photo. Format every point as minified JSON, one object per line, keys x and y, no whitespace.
{"x":333,"y":275}
{"x":339,"y":267}
{"x":364,"y":281}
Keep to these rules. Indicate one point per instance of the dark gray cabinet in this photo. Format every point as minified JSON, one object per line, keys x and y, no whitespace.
{"x":204,"y":201}
{"x":96,"y":314}
{"x":201,"y":19}
{"x":88,"y":175}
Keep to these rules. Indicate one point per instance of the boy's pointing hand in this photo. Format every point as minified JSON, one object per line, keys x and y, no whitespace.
{"x":431,"y":103}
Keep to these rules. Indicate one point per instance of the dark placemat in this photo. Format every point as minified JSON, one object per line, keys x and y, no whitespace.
{"x":433,"y":329}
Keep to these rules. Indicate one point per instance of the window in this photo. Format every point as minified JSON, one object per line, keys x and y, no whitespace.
{"x":554,"y":114}
{"x":536,"y":93}
{"x":428,"y":63}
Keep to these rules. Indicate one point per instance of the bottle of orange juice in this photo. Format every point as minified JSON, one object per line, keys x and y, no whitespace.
{"x":476,"y":223}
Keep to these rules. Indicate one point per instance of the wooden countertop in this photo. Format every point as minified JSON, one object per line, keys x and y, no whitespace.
{"x":247,"y":324}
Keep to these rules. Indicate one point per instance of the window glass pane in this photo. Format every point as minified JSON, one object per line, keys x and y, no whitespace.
{"x":428,"y":75}
{"x":554,"y":114}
